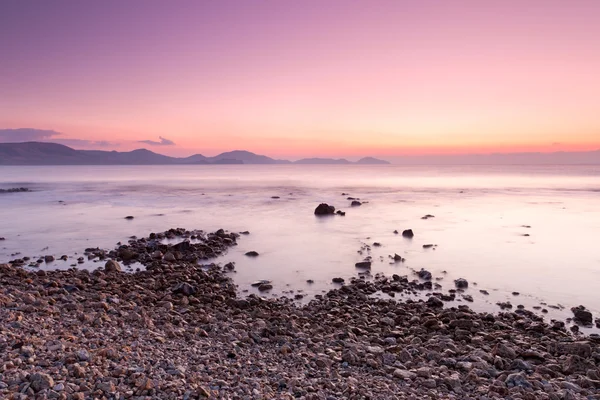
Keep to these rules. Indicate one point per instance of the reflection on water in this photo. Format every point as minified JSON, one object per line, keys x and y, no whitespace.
{"x":480,"y":224}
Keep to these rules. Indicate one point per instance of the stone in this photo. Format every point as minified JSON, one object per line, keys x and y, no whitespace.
{"x":337,"y":280}
{"x":461,"y":283}
{"x":48,"y":258}
{"x":363,"y":265}
{"x":252,"y":254}
{"x":355,"y":203}
{"x":41,"y":381}
{"x":424,"y":274}
{"x":408,"y":233}
{"x":129,"y":217}
{"x":112,"y":266}
{"x":324,"y":209}
{"x":169,"y":257}
{"x":404,"y":375}
{"x":582,"y":316}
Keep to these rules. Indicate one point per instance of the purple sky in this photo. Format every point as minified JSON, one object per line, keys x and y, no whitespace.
{"x":338,"y":78}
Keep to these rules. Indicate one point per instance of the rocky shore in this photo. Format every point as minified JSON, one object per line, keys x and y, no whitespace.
{"x":181,"y":330}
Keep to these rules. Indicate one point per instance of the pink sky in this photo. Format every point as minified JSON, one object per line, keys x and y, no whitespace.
{"x":307,"y":78}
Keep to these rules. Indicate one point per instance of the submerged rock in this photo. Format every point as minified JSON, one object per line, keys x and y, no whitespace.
{"x":363,"y":264}
{"x":461,"y":283}
{"x":324,"y":209}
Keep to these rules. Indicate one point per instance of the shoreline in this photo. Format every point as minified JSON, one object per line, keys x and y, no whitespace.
{"x":181,"y":330}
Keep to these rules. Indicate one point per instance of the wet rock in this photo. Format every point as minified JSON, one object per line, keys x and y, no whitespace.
{"x":112,"y":266}
{"x":363,"y":265}
{"x":264,"y":287}
{"x":340,"y":213}
{"x":48,"y":259}
{"x":252,"y":254}
{"x":582,"y":316}
{"x":129,"y":217}
{"x":355,"y":203}
{"x":424,"y":274}
{"x":427,"y":246}
{"x":408,"y":233}
{"x":337,"y":280}
{"x":427,"y":216}
{"x":169,"y":257}
{"x":461,"y":283}
{"x":324,"y":209}
{"x":398,"y":258}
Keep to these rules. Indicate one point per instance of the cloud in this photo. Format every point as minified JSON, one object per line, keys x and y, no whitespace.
{"x":85,"y":143}
{"x":26,"y":135}
{"x":163,"y":142}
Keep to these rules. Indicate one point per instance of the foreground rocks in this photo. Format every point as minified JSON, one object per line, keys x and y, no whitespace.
{"x":179,"y":330}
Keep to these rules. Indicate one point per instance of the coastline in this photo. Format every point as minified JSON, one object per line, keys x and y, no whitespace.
{"x":182,"y":330}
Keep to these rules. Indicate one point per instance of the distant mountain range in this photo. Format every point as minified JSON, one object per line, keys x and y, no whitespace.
{"x":43,"y":153}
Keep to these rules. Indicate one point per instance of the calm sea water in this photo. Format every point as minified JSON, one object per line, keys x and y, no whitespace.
{"x":479,"y":225}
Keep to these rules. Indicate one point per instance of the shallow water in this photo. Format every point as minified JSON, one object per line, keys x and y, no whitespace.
{"x":481,"y":214}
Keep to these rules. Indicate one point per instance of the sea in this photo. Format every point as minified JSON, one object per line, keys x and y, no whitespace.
{"x":531,"y":230}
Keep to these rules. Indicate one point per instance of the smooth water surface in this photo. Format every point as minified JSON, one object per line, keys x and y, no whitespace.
{"x":482,"y":214}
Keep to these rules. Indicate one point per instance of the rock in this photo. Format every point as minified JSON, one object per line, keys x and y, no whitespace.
{"x":261,"y":282}
{"x":264,"y":287}
{"x":230,"y":266}
{"x":337,"y":280}
{"x":363,"y":264}
{"x":408,"y":233}
{"x":424,"y":274}
{"x":274,"y":197}
{"x":461,"y":283}
{"x":324,"y":209}
{"x":112,"y":266}
{"x":355,"y":203}
{"x":129,"y":217}
{"x":582,"y":316}
{"x":434,"y":302}
{"x":41,"y":381}
{"x":405,"y":375}
{"x":48,"y":259}
{"x":169,"y":257}
{"x":427,"y":246}
{"x":340,"y":213}
{"x":185,"y":288}
{"x":252,"y":254}
{"x":398,"y":258}
{"x":485,"y":292}
{"x":157,"y":255}
{"x":428,"y":216}
{"x":2,"y":238}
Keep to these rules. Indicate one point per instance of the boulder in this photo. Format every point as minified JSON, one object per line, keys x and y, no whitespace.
{"x":129,"y":217}
{"x":461,"y":283}
{"x":408,"y":233}
{"x":252,"y":254}
{"x":337,"y":280}
{"x":363,"y":264}
{"x":112,"y":266}
{"x":424,"y":274}
{"x":324,"y":209}
{"x":582,"y":316}
{"x":355,"y":203}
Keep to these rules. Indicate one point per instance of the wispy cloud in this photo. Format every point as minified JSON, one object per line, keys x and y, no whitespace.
{"x":163,"y":142}
{"x":85,"y":143}
{"x":26,"y":135}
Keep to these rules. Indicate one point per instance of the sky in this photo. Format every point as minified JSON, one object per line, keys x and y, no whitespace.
{"x":307,"y":78}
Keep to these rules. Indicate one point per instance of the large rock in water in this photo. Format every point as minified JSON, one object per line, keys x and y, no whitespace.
{"x":408,"y":233}
{"x":324,"y":209}
{"x":582,"y":316}
{"x":112,"y":266}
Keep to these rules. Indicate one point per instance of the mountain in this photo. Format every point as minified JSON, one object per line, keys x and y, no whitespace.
{"x":247,"y":158}
{"x":322,"y":161}
{"x":371,"y":161}
{"x":330,"y":161}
